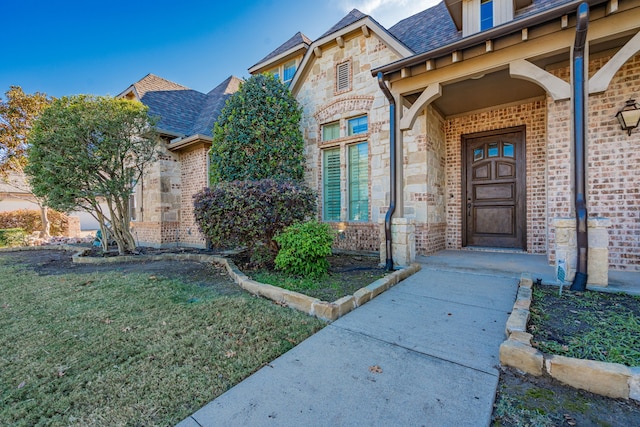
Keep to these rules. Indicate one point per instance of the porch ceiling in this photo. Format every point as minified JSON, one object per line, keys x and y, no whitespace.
{"x":488,"y":90}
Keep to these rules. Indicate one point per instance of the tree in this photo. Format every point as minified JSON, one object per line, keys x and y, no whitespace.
{"x":258,"y":135}
{"x":17,"y":115}
{"x":84,"y":149}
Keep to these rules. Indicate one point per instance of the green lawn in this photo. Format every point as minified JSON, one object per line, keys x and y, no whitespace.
{"x":113,"y":349}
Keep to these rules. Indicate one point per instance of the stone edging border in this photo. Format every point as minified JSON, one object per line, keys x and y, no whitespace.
{"x":329,"y":311}
{"x":607,"y":379}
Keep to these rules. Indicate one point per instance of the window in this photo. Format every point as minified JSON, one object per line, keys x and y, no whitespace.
{"x":486,"y":14}
{"x":357,"y":125}
{"x":275,"y":72}
{"x":331,"y":185}
{"x":132,"y":201}
{"x":343,"y":77}
{"x":358,"y":182}
{"x":288,"y":72}
{"x":331,"y":131}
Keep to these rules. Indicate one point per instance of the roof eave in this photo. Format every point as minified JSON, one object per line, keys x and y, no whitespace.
{"x":268,"y":64}
{"x":182,"y":143}
{"x":482,"y":37}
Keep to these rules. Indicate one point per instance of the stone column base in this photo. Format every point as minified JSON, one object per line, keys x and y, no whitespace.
{"x":598,"y":258}
{"x":403,"y":242}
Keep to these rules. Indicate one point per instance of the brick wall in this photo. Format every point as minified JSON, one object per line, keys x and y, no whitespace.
{"x":613,"y":165}
{"x":533,"y":116}
{"x":354,"y":236}
{"x":194,"y":179}
{"x":155,"y":234}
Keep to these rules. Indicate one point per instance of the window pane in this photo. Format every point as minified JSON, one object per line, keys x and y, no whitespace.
{"x":359,"y":182}
{"x":486,"y":14}
{"x":493,"y":149}
{"x":331,"y":185}
{"x":289,"y":71}
{"x":358,"y":125}
{"x":331,"y":131}
{"x":478,"y":154}
{"x":507,"y":150}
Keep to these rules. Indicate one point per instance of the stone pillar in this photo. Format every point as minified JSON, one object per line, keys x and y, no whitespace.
{"x":598,"y":260}
{"x":403,"y":242}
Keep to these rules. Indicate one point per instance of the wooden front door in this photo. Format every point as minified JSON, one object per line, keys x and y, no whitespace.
{"x":494,"y":189}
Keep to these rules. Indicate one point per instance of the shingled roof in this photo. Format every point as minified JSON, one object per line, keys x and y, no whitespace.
{"x":182,"y":110}
{"x":353,"y":16}
{"x":294,"y":41}
{"x":433,"y":28}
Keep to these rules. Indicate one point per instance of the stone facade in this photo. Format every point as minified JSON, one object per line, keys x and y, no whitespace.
{"x":323,"y":103}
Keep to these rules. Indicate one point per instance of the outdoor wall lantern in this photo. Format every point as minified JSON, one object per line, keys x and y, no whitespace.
{"x":629,"y":116}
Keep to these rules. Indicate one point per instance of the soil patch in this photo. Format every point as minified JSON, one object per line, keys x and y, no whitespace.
{"x":52,"y":262}
{"x":562,"y":325}
{"x":542,"y":401}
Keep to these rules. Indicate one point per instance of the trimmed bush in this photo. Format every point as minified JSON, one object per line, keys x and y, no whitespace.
{"x":304,"y":248}
{"x":12,"y":237}
{"x":29,"y":220}
{"x":246,"y":213}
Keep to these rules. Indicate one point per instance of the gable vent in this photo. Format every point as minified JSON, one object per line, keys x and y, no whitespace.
{"x":343,"y":76}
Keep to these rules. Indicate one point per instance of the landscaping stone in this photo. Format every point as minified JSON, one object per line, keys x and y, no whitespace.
{"x":362,"y":296}
{"x":522,"y":357}
{"x":607,"y":379}
{"x":517,"y":321}
{"x":634,"y":384}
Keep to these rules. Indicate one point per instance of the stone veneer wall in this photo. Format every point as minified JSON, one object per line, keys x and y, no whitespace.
{"x":533,"y":116}
{"x":194,"y":179}
{"x":424,"y":181}
{"x":322,"y":104}
{"x":613,"y":169}
{"x":158,"y":202}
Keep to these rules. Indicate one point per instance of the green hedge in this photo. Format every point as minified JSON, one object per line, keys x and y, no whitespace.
{"x":12,"y":237}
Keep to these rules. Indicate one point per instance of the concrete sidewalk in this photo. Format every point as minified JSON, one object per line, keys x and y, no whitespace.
{"x":423,"y":353}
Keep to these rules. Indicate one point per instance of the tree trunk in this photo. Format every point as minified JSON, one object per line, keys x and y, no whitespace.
{"x":46,"y":225}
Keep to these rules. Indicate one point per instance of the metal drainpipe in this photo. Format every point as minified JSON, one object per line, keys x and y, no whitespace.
{"x":579,"y":137}
{"x":392,"y":170}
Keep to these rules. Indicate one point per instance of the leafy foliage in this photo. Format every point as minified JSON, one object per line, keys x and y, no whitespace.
{"x":12,"y":237}
{"x":257,"y":135}
{"x":304,"y":248}
{"x":84,"y":149}
{"x":17,"y":116}
{"x":30,"y":220}
{"x":251,"y":212}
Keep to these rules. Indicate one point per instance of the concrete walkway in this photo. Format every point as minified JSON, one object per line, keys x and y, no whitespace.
{"x":424,"y":353}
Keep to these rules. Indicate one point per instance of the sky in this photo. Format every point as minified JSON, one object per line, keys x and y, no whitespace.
{"x":68,"y":47}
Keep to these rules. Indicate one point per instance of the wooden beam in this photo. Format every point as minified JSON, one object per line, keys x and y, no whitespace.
{"x":365,"y":31}
{"x":317,"y":51}
{"x":340,"y":41}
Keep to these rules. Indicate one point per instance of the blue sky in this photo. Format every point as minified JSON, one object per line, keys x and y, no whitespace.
{"x":66,"y":47}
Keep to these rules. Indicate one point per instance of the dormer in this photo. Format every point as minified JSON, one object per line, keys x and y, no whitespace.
{"x":285,"y":60}
{"x":474,"y":16}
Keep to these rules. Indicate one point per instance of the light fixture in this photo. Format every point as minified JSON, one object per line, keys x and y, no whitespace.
{"x":629,"y":116}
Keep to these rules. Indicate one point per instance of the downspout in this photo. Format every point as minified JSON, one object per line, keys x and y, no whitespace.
{"x":579,"y":137}
{"x":392,"y":170}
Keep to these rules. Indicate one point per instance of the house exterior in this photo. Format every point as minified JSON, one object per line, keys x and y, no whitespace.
{"x":161,"y":205}
{"x":484,"y":149}
{"x":483,"y":137}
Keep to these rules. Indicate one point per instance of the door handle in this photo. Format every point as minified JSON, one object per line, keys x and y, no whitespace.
{"x":469,"y":208}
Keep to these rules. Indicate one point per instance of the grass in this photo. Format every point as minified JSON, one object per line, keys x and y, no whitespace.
{"x":327,"y":288}
{"x":591,"y":325}
{"x":114,"y":349}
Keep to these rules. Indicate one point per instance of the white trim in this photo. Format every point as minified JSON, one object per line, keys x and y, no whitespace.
{"x":556,"y":87}
{"x":601,"y":80}
{"x":430,"y":94}
{"x":269,"y":63}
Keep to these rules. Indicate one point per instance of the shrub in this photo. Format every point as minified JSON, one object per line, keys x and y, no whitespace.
{"x":257,"y":135}
{"x":12,"y":237}
{"x":245,"y":213}
{"x":29,"y":220}
{"x":304,"y":248}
